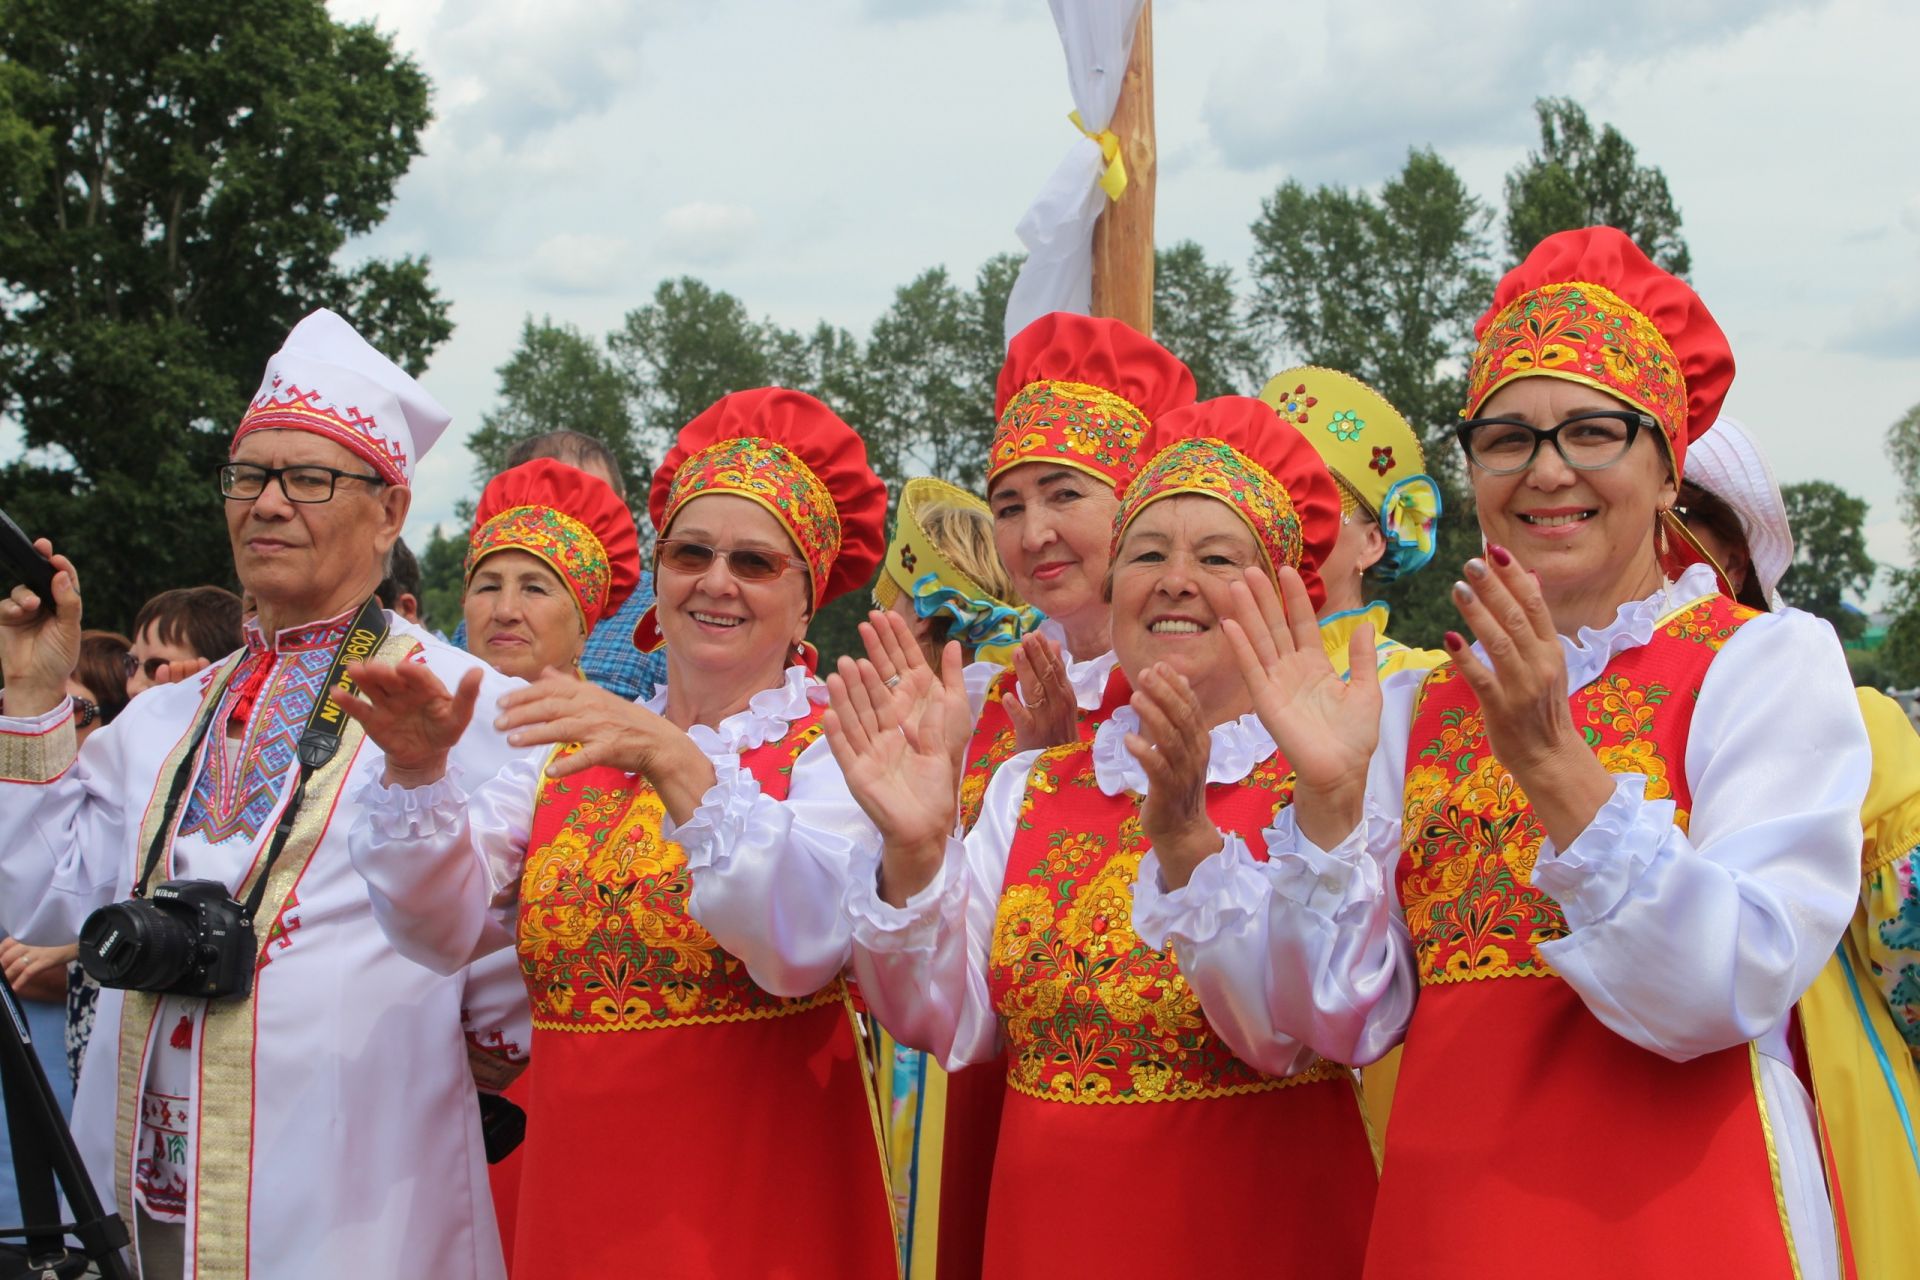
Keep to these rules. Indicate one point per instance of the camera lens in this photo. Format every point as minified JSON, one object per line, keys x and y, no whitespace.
{"x":134,"y":945}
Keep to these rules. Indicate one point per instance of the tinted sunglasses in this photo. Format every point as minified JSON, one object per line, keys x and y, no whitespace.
{"x":748,"y":564}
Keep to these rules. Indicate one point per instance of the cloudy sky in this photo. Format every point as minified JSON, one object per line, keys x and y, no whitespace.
{"x":810,"y":157}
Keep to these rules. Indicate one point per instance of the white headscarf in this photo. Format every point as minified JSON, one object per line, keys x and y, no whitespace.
{"x":1724,"y":461}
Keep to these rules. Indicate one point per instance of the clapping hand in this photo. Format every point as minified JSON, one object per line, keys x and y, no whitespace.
{"x":1521,"y":685}
{"x":901,"y":770}
{"x":1326,"y":727}
{"x":1044,"y":712}
{"x":897,"y":658}
{"x":1173,"y":746}
{"x":410,"y":716}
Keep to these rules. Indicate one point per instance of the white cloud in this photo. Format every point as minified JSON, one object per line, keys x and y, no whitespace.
{"x":577,"y":263}
{"x":707,"y":234}
{"x":1345,"y":89}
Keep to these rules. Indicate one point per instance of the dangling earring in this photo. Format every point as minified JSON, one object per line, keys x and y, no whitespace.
{"x":1661,"y":546}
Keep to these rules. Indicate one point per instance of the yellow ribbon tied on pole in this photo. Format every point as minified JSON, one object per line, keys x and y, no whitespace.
{"x":1114,"y":180}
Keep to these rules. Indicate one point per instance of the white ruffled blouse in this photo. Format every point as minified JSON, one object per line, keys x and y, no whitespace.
{"x":922,"y":967}
{"x":1087,"y":677}
{"x":444,"y":864}
{"x":1684,"y":942}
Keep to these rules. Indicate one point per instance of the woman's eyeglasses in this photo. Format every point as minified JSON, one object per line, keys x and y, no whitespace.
{"x":1585,"y":442}
{"x":749,"y":564}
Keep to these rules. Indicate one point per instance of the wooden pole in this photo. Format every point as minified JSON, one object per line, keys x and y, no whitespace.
{"x":1123,"y":238}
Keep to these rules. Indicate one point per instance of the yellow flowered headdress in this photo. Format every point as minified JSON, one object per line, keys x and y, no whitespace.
{"x":1374,"y":454}
{"x":1233,"y":448}
{"x":917,"y":567}
{"x":1078,"y":391}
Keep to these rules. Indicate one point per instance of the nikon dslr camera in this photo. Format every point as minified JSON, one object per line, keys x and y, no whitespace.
{"x":189,"y":939}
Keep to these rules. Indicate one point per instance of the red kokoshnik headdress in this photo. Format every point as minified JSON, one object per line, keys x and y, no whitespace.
{"x":1588,"y":306}
{"x":794,"y":456}
{"x":572,"y":521}
{"x":1078,"y":391}
{"x":1233,"y":448}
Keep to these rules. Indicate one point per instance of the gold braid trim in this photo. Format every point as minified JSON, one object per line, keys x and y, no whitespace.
{"x":220,"y":1196}
{"x":1320,"y":1072}
{"x":829,"y":994}
{"x":39,"y":757}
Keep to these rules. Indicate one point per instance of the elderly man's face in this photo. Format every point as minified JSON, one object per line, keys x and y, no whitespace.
{"x":303,"y":561}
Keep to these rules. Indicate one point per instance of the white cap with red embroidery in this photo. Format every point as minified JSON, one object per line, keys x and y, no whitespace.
{"x":329,"y":380}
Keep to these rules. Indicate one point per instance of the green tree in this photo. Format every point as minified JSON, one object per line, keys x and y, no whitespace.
{"x":1830,"y":560}
{"x":559,"y":379}
{"x":442,"y":579}
{"x":1582,"y":179}
{"x":684,"y":349}
{"x":180,"y":182}
{"x":1387,"y":288}
{"x":1902,"y":649}
{"x":1197,"y":317}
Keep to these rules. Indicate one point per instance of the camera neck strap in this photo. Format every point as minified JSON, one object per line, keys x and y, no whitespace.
{"x":319,"y":743}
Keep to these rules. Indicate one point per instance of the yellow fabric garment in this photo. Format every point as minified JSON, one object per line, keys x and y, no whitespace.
{"x":1864,"y":1077}
{"x":1336,"y":633}
{"x":913,"y":1105}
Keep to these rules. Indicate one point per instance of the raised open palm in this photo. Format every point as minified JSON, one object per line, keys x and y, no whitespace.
{"x":1325,"y":726}
{"x":410,"y":715}
{"x":901,"y":772}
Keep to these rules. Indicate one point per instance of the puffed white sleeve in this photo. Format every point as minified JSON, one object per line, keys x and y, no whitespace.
{"x":1303,"y":954}
{"x":65,"y":825}
{"x":922,"y":967}
{"x":1690,"y":936}
{"x":442,"y":863}
{"x":770,"y":877}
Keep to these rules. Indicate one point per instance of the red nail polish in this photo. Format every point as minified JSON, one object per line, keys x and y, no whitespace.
{"x":1454,"y":642}
{"x":1500,"y":555}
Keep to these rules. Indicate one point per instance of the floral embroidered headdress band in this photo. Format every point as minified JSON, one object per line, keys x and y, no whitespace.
{"x":572,"y":522}
{"x":1074,"y":424}
{"x":1586,"y":333}
{"x":776,"y":478}
{"x":1218,"y":470}
{"x":563,"y":543}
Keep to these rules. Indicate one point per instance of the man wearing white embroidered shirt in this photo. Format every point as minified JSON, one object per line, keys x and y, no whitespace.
{"x":324,"y":1122}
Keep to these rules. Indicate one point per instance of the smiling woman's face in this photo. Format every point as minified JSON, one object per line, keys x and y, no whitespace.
{"x":737,"y":633}
{"x":1170,"y":582}
{"x":1053,"y":527}
{"x":1588,"y":535}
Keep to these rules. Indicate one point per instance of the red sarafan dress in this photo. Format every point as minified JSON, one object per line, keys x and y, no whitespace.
{"x":1503,"y":1157}
{"x":683,"y":1122}
{"x":1116,"y":1080}
{"x":976,"y":1095}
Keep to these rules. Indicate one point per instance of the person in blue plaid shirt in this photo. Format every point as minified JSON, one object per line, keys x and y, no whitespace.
{"x":610,"y":659}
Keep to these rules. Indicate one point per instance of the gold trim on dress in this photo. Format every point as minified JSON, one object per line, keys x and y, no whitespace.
{"x":1321,"y":1071}
{"x":1773,"y":1161}
{"x":798,"y":1004}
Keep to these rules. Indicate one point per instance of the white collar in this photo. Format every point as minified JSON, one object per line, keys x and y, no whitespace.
{"x":767,"y":716}
{"x":1089,"y":677}
{"x":1633,"y":625}
{"x":1237,"y":746}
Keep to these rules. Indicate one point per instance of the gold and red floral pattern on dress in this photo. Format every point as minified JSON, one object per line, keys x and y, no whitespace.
{"x":1588,"y":334}
{"x":777,"y":478}
{"x":1090,"y":1012}
{"x":1076,"y":424}
{"x":1471,"y":837}
{"x":992,"y":744}
{"x":605,"y":940}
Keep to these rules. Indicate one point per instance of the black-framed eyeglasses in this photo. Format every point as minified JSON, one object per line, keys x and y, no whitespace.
{"x":133,"y":666}
{"x":749,"y":564}
{"x":1585,"y":442}
{"x":244,"y":481}
{"x":85,"y":711}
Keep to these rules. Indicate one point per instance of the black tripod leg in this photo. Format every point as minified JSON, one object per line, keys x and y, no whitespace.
{"x":43,"y":1150}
